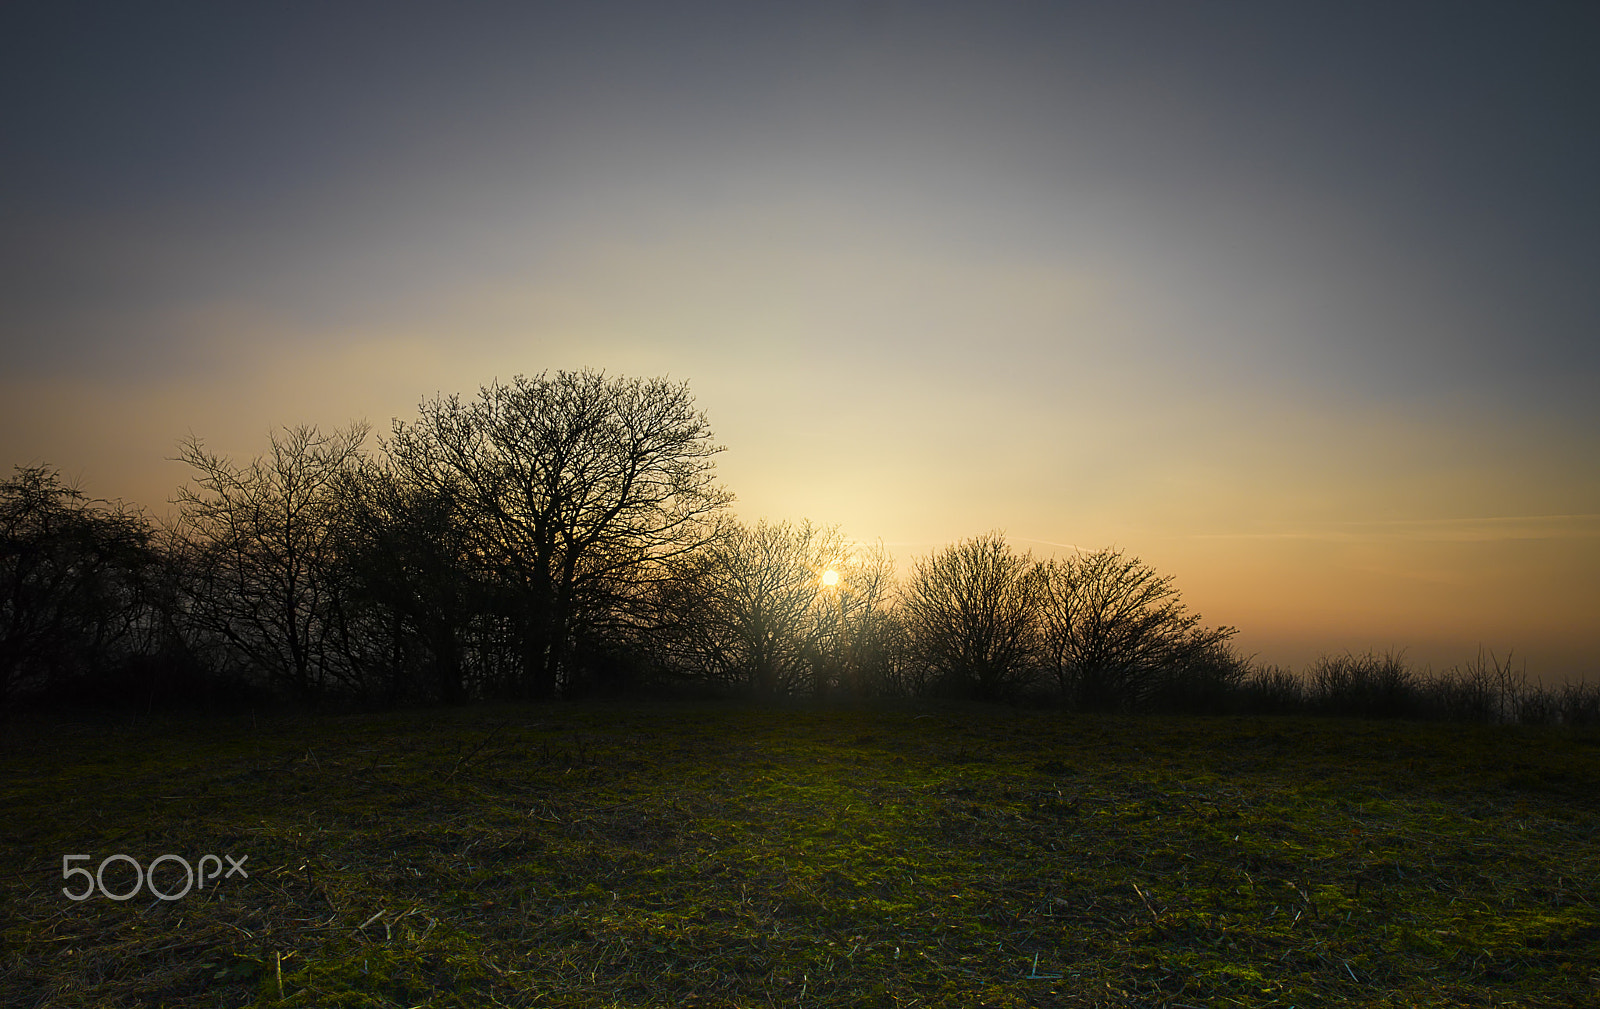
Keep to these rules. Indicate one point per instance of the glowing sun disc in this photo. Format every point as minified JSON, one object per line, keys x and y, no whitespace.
{"x":830,"y":577}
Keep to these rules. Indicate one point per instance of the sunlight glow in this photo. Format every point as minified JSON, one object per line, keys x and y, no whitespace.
{"x":830,"y":577}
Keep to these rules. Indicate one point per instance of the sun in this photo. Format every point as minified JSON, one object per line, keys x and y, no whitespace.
{"x":830,"y":577}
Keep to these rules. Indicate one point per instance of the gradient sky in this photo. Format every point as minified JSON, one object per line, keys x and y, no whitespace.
{"x":1299,"y":303}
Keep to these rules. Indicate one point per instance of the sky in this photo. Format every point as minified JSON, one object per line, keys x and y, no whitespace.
{"x":1296,"y":302}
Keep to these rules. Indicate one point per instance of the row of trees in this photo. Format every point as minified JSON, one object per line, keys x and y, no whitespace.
{"x":557,"y":535}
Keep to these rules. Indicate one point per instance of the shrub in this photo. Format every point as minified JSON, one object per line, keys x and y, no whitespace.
{"x":1272,"y":690}
{"x":1369,"y":686}
{"x":1205,"y":678}
{"x":1488,"y":691}
{"x":1579,"y":704}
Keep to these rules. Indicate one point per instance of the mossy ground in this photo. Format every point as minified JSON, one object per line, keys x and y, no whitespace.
{"x":577,"y":855}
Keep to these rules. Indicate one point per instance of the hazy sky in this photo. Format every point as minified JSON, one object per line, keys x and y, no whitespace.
{"x":1299,"y":302}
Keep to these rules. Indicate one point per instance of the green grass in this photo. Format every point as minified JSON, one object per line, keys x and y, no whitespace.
{"x":574,"y":855}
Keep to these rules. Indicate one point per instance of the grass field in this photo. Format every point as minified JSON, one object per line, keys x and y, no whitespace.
{"x":578,"y":855}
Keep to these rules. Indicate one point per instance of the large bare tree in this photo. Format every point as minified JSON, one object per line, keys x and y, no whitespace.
{"x":578,"y":484}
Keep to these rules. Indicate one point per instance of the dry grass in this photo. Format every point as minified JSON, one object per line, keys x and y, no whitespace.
{"x":717,"y":856}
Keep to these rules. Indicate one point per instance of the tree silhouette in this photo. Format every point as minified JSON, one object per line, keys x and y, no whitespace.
{"x":969,"y":610}
{"x":265,"y":537}
{"x":76,"y":579}
{"x":1113,"y":630}
{"x":854,"y":644}
{"x":746,"y":610}
{"x":578,"y":486}
{"x":411,"y":555}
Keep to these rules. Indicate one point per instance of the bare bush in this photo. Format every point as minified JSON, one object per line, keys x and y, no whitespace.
{"x":1368,"y":686}
{"x":1199,"y":676}
{"x":1483,"y":690}
{"x":782,"y":608}
{"x":1272,"y":690}
{"x":1579,"y":704}
{"x":856,"y":642}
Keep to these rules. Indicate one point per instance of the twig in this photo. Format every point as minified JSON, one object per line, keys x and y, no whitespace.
{"x":461,"y":760}
{"x":1153,"y":916}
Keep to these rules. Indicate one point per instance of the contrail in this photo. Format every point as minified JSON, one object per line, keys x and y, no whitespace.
{"x":1053,"y":543}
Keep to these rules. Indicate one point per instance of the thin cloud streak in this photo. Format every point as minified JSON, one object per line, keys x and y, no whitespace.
{"x":1484,"y":529}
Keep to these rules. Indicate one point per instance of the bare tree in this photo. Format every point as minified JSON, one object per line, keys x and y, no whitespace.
{"x":1114,"y":630}
{"x":75,"y":583}
{"x":780,"y":608}
{"x":746,"y":608}
{"x":265,"y":536}
{"x":969,"y":610}
{"x":414,"y":562}
{"x":578,"y":485}
{"x":853,"y":642}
